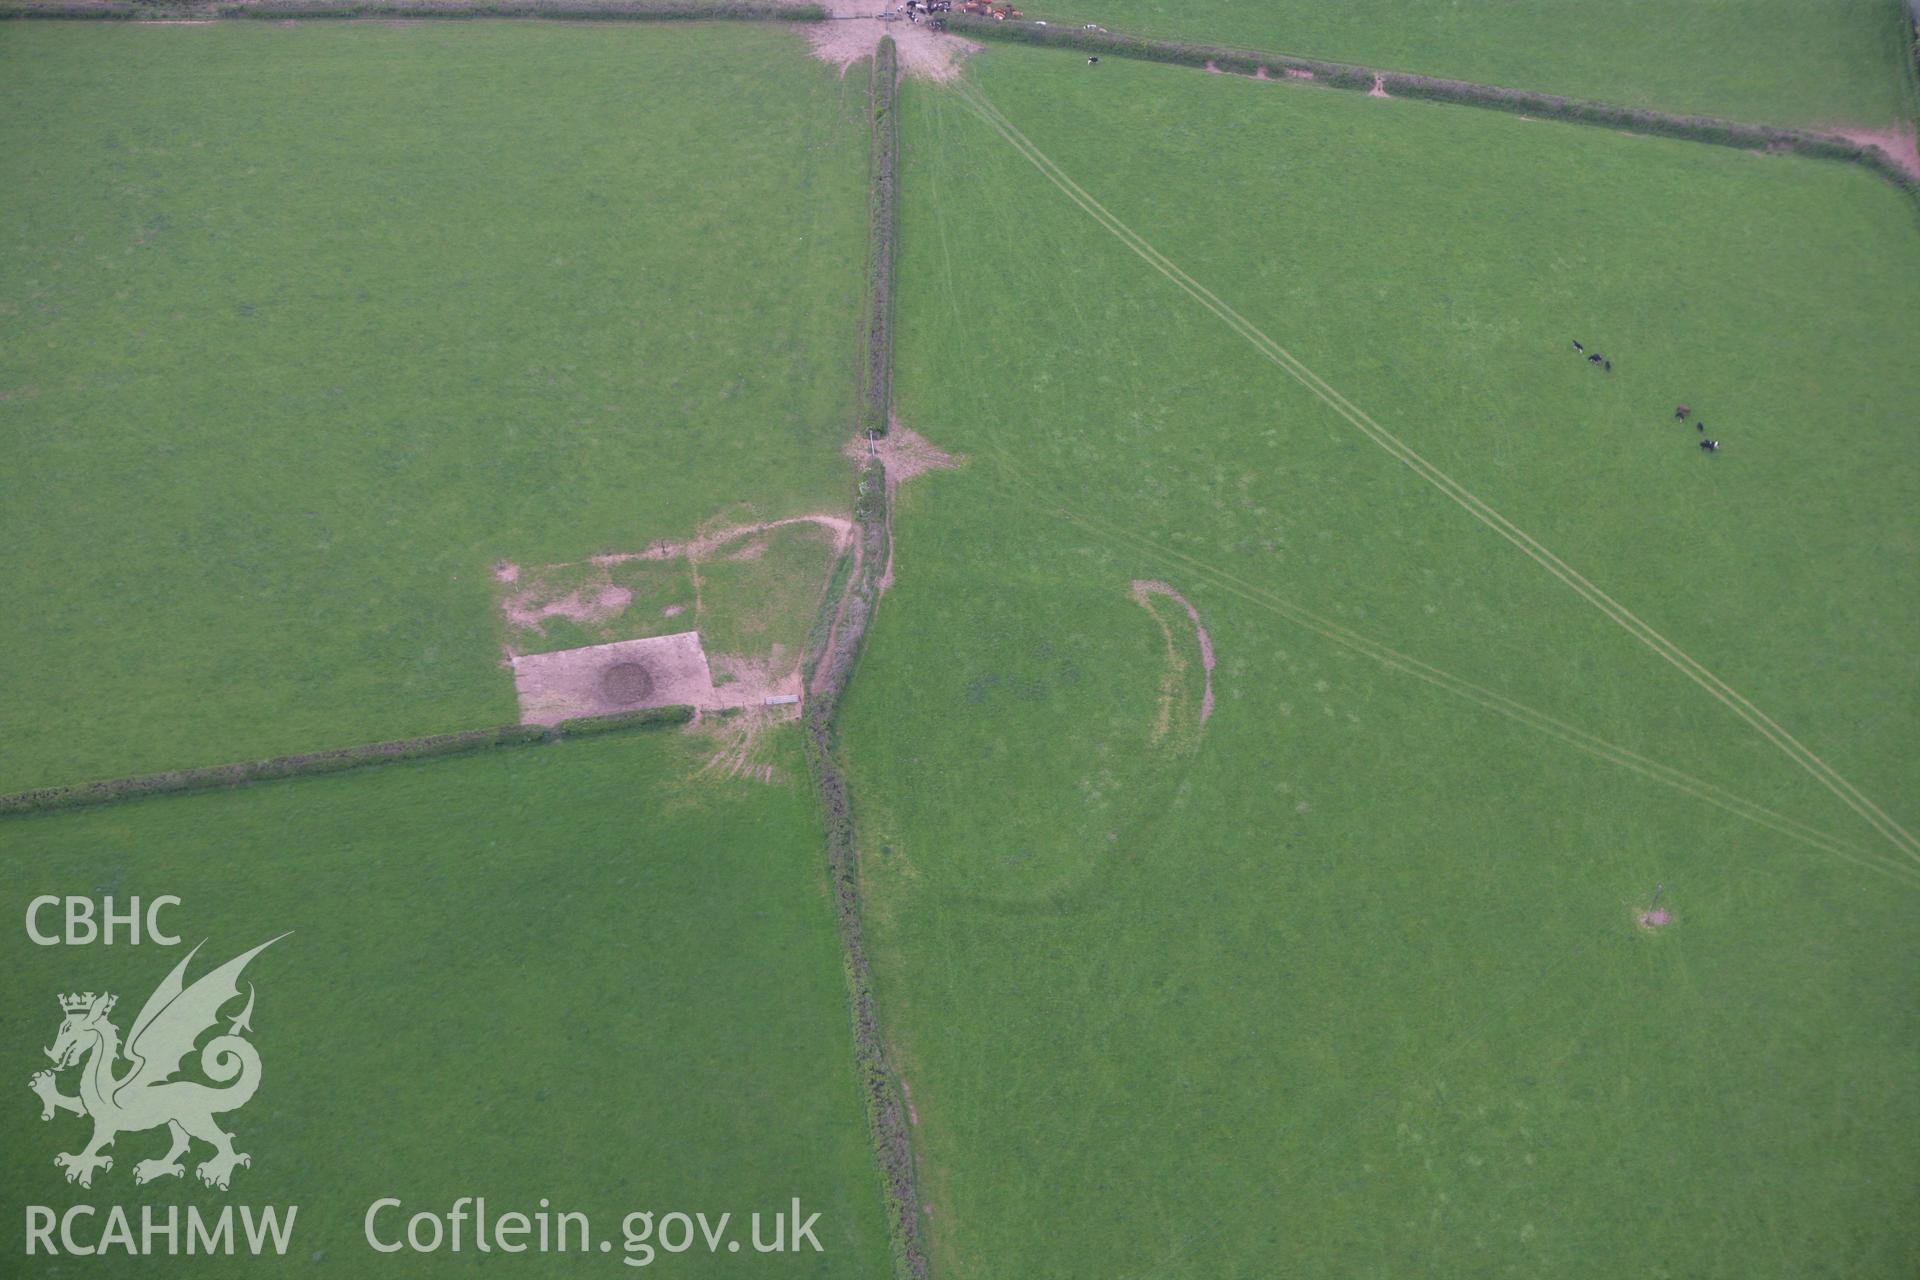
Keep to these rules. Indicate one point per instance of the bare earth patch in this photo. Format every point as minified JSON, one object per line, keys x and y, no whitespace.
{"x":852,"y":31}
{"x":634,"y":674}
{"x":528,"y":610}
{"x":555,"y":591}
{"x":628,"y":675}
{"x":904,"y":452}
{"x":1379,"y":89}
{"x":707,"y":544}
{"x":762,"y":692}
{"x":1897,"y":142}
{"x":741,"y":749}
{"x":663,"y":671}
{"x":1657,"y":918}
{"x":750,"y":682}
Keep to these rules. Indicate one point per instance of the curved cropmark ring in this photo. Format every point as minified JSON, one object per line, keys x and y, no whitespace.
{"x":1821,"y":772}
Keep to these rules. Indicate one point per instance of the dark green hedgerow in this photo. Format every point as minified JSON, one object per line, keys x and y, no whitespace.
{"x":309,"y":764}
{"x":552,"y":10}
{"x":880,"y":200}
{"x":834,"y":663}
{"x":1109,"y":44}
{"x":230,"y":775}
{"x":833,"y":647}
{"x":1726,"y":133}
{"x":823,"y":616}
{"x":620,"y":721}
{"x":1910,"y":70}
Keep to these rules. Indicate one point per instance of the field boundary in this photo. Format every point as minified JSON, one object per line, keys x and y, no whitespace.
{"x":80,"y":795}
{"x":833,"y":650}
{"x":877,"y":396}
{"x":1402,"y":84}
{"x":1908,"y":24}
{"x":412,"y":10}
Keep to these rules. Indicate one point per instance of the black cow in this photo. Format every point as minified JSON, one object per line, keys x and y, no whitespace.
{"x":1711,"y":446}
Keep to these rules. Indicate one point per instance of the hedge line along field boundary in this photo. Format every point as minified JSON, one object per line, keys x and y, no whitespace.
{"x":304,"y":10}
{"x":885,"y":145}
{"x":1340,"y":75}
{"x":1910,"y":64}
{"x":879,"y":1087}
{"x":213,"y":777}
{"x":833,"y":650}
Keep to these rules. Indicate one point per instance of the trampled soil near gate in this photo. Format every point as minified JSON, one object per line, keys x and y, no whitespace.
{"x":854,"y":29}
{"x":1898,"y":141}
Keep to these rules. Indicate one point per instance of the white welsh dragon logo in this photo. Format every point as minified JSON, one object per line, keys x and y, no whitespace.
{"x":146,"y":1096}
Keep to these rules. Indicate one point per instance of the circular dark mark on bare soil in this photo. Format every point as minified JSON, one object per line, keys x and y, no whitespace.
{"x":626,"y":683}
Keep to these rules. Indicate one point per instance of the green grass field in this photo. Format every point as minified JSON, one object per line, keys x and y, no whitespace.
{"x":1308,"y":942}
{"x":306,"y":327}
{"x":575,"y":972}
{"x":1351,"y":984}
{"x":1779,"y":61}
{"x":754,"y":594}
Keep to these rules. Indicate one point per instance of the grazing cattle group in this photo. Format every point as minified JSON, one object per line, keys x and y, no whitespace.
{"x":1681,"y":412}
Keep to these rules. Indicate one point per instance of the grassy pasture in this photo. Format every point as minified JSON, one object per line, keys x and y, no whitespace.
{"x":1353,"y":986}
{"x":306,"y":327}
{"x":751,"y":596}
{"x":1778,"y":61}
{"x":761,"y":592}
{"x":566,"y":972}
